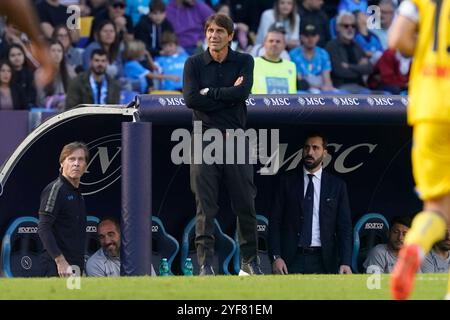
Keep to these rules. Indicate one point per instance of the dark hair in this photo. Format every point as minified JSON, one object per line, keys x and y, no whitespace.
{"x":277,"y":27}
{"x":56,"y":30}
{"x":50,"y":88}
{"x":168,"y":37}
{"x":291,"y":15}
{"x":222,"y":21}
{"x":71,"y":147}
{"x":313,"y":134}
{"x":6,"y":62}
{"x":99,"y":52}
{"x":403,"y":220}
{"x":114,"y":220}
{"x":113,"y":51}
{"x":21,"y":49}
{"x":157,"y":6}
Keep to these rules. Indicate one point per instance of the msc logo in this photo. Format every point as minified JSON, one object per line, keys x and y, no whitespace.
{"x":162,"y":102}
{"x":250,"y":102}
{"x":104,"y":167}
{"x":171,"y":102}
{"x":374,"y":225}
{"x":27,"y":230}
{"x":261,"y":228}
{"x":404,"y":101}
{"x":277,"y":102}
{"x":311,"y":101}
{"x":26,"y":262}
{"x":380,"y":101}
{"x":155,"y":228}
{"x":346,"y":101}
{"x":91,"y":229}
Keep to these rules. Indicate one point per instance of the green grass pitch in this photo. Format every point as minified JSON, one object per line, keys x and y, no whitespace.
{"x":291,"y":287}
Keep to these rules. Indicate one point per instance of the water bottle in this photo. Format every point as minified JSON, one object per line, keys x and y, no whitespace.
{"x":164,"y":267}
{"x":188,"y":269}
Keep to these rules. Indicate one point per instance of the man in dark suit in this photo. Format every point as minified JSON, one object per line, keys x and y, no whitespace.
{"x":310,"y":224}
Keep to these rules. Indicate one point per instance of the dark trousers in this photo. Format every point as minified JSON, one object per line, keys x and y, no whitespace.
{"x":205,"y":184}
{"x":307,"y":262}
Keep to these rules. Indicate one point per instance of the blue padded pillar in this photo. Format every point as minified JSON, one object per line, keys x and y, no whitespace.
{"x":136,"y":249}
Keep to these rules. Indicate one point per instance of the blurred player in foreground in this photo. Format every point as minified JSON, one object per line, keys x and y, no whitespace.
{"x":422,"y":29}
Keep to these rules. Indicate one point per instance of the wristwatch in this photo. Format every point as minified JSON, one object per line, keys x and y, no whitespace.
{"x":204,"y":91}
{"x":276,"y":256}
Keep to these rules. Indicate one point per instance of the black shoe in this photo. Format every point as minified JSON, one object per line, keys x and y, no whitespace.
{"x":206,"y":270}
{"x":250,"y":269}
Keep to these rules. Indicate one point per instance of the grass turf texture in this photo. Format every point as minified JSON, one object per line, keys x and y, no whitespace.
{"x":297,"y":287}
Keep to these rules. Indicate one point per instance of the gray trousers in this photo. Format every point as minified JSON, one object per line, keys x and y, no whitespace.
{"x":205,"y":184}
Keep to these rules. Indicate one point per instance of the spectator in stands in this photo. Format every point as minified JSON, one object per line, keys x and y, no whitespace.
{"x":311,"y":12}
{"x":366,"y":39}
{"x":51,"y":14}
{"x":272,"y":74}
{"x":188,"y":18}
{"x":23,"y":76}
{"x":285,"y":14}
{"x":245,"y":12}
{"x":12,"y":36}
{"x":136,"y":71}
{"x":106,"y":39}
{"x":53,"y":96}
{"x":73,"y":56}
{"x":438,"y":259}
{"x":93,"y":86}
{"x":382,"y":257}
{"x":300,"y":241}
{"x":115,"y":12}
{"x":62,"y":215}
{"x":136,"y":9}
{"x":387,"y":11}
{"x":348,"y":61}
{"x":171,"y":62}
{"x":391,"y":73}
{"x":96,"y":6}
{"x":10,"y":95}
{"x":352,"y":5}
{"x":152,"y":26}
{"x":258,"y":50}
{"x":313,"y":63}
{"x":23,"y":15}
{"x":106,"y":261}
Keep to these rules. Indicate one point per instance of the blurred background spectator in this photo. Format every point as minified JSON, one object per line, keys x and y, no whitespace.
{"x":151,"y":27}
{"x":11,"y":97}
{"x":284,"y":14}
{"x":348,"y":61}
{"x":188,"y":18}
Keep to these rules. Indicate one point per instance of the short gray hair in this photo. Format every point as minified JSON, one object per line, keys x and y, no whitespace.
{"x":342,"y":15}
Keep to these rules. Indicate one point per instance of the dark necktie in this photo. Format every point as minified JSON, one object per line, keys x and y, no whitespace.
{"x":308,"y":204}
{"x":99,"y":92}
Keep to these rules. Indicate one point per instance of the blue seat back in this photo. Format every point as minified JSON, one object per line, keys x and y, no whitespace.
{"x":163,"y":245}
{"x":262,"y":227}
{"x":224,"y":248}
{"x":21,"y":249}
{"x":370,"y":230}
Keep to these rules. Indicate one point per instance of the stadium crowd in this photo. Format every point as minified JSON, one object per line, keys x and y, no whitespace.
{"x":333,"y":46}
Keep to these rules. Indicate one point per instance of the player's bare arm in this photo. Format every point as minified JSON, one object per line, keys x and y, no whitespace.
{"x":403,"y":35}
